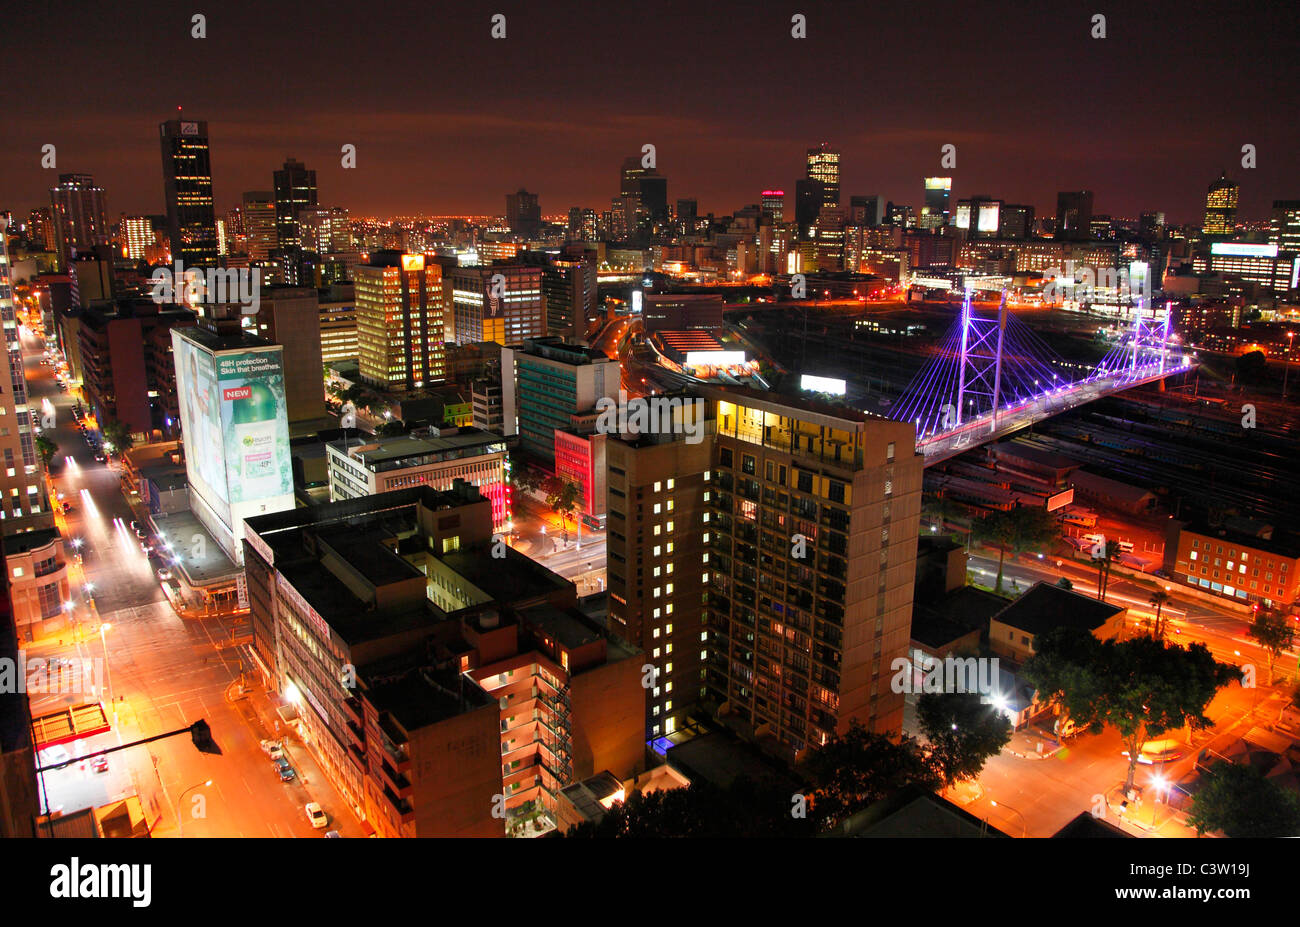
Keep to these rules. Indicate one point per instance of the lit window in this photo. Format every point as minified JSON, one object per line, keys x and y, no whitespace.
{"x":658,"y":486}
{"x":668,"y":629}
{"x":670,"y":484}
{"x":658,"y":508}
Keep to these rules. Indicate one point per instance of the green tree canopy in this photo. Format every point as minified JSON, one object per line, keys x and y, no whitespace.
{"x":858,"y":768}
{"x":1238,"y":801}
{"x":963,"y":732}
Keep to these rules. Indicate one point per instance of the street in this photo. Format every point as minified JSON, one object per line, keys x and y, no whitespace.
{"x":163,"y":673}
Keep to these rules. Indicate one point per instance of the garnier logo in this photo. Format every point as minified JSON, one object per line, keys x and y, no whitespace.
{"x":105,"y":880}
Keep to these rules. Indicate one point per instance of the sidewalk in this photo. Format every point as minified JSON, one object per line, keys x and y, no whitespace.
{"x":1033,"y":743}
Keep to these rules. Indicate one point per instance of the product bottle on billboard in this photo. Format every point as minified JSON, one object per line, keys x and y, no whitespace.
{"x":253,"y":417}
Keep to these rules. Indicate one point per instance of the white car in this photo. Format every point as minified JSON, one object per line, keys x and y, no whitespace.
{"x":316,"y":814}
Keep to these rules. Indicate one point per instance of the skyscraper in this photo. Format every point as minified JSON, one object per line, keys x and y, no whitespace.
{"x":1074,"y":215}
{"x":864,"y":210}
{"x":936,"y":211}
{"x":400,"y":324}
{"x":809,"y":197}
{"x":137,"y":237}
{"x":1285,"y":228}
{"x":507,"y":315}
{"x":295,"y":190}
{"x":1221,"y":207}
{"x":187,"y":190}
{"x":824,"y":167}
{"x":523,"y":215}
{"x":259,"y":223}
{"x":649,"y":191}
{"x":22,"y":480}
{"x":77,"y":207}
{"x":773,"y":205}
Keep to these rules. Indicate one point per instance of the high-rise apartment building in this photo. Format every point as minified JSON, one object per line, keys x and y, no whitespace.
{"x":22,"y":478}
{"x":1221,"y":207}
{"x":77,"y":208}
{"x":657,"y":542}
{"x":864,"y":211}
{"x":808,"y":520}
{"x":295,"y":191}
{"x":259,"y":224}
{"x":935,"y":213}
{"x":824,"y":167}
{"x":187,"y":190}
{"x":400,"y":324}
{"x":498,"y":302}
{"x":808,"y":200}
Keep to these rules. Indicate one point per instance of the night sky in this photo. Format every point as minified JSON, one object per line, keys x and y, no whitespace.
{"x":447,"y":120}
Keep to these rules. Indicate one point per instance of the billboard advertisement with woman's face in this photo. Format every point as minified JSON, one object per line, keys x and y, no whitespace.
{"x":200,"y":405}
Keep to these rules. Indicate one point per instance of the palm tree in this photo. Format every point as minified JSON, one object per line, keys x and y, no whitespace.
{"x":1158,"y":599}
{"x":1103,"y":560}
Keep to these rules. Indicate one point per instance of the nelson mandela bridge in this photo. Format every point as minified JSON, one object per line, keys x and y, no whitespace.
{"x":992,"y":375}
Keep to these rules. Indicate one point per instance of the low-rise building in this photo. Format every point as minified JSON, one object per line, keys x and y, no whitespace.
{"x":368,"y":466}
{"x":1014,"y":631}
{"x":1237,"y":565}
{"x":447,"y":685}
{"x":36,"y":564}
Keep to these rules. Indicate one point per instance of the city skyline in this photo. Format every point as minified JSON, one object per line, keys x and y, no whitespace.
{"x":1125,"y":129}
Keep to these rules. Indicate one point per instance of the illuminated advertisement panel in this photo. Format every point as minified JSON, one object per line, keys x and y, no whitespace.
{"x":255,"y":429}
{"x":1240,"y":249}
{"x":823,"y":385}
{"x":200,"y":405}
{"x":988,"y":217}
{"x":714,"y":358}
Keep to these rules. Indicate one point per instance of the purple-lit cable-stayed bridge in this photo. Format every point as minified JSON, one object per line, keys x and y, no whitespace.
{"x":992,"y":375}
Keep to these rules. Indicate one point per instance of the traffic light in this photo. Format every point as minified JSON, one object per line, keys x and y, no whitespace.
{"x":201,"y":734}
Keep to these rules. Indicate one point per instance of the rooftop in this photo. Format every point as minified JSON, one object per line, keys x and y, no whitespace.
{"x":517,"y":579}
{"x":1045,"y":607}
{"x":380,"y":450}
{"x":1284,"y":546}
{"x":25,"y":541}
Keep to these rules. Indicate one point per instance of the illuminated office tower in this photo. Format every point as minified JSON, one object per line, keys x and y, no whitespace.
{"x":864,"y":211}
{"x":808,"y":201}
{"x":935,"y":213}
{"x":400,"y":324}
{"x":259,"y":223}
{"x":506,"y":310}
{"x":1221,"y":207}
{"x":295,"y":191}
{"x":77,"y":207}
{"x":187,"y":190}
{"x":1285,"y":228}
{"x":824,"y":166}
{"x":137,"y":236}
{"x":773,"y":206}
{"x":979,"y":216}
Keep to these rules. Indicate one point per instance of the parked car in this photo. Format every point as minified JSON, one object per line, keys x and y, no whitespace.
{"x":164,"y":574}
{"x":316,"y":814}
{"x":332,"y":833}
{"x":273,"y":749}
{"x":99,"y":764}
{"x":286,"y":771}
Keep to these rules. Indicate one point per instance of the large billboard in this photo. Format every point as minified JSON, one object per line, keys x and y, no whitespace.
{"x":255,"y":429}
{"x":200,"y":405}
{"x":234,"y":419}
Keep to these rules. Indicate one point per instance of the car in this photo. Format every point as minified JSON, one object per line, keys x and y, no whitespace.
{"x":1158,"y":751}
{"x":101,"y":458}
{"x":164,"y":574}
{"x":273,"y":749}
{"x":332,"y":833}
{"x":68,"y":507}
{"x":140,"y":532}
{"x":316,"y":814}
{"x":146,"y":548}
{"x":99,"y":764}
{"x":286,"y":773}
{"x":55,"y":754}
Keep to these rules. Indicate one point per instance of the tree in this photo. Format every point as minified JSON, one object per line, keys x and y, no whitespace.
{"x":391,"y":429}
{"x":1102,"y":560}
{"x":562,"y":496}
{"x":117,"y":435}
{"x":1273,"y":632}
{"x":1141,"y":687}
{"x":963,"y":732}
{"x":1064,"y":583}
{"x":1158,"y":599}
{"x":47,"y":448}
{"x":1238,"y":801}
{"x":1020,"y":529}
{"x":853,"y":770}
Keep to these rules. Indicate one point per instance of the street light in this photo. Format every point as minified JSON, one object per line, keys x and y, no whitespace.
{"x":180,"y":802}
{"x":1024,"y":828}
{"x":1286,"y":364}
